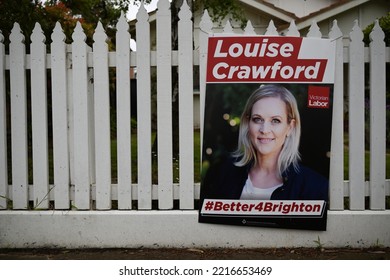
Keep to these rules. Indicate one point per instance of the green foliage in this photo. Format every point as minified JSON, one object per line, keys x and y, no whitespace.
{"x":218,"y":9}
{"x":221,"y":9}
{"x":25,"y":12}
{"x":319,"y":244}
{"x":384,"y":23}
{"x":67,"y":12}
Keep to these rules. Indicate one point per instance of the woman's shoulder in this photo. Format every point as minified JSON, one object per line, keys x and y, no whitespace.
{"x":313,"y":184}
{"x":305,"y":171}
{"x":306,"y":176}
{"x":224,"y":179}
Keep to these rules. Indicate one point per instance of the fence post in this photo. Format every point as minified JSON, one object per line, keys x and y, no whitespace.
{"x":3,"y":131}
{"x":39,"y":119}
{"x":144,"y":111}
{"x":123,"y":99}
{"x":102,"y":119}
{"x":206,"y":26}
{"x":336,"y":173}
{"x":356,"y":119}
{"x":60,"y":119}
{"x":18,"y":119}
{"x":164,"y":105}
{"x":377,"y":118}
{"x":186,"y":108}
{"x":81,"y":120}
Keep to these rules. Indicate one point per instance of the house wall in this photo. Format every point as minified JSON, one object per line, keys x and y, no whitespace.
{"x":302,"y":8}
{"x":365,"y":14}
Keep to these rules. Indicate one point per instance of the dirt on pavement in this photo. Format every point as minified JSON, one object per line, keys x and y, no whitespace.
{"x":198,"y":254}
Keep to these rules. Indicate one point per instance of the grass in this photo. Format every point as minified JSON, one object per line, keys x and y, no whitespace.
{"x":366,"y":164}
{"x":175,"y":161}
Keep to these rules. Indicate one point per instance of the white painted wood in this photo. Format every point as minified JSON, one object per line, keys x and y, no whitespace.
{"x":186,"y":109}
{"x":71,"y":84}
{"x":356,"y":118}
{"x":314,"y":31}
{"x":249,"y":29}
{"x":123,"y":114}
{"x":176,"y":190}
{"x":81,"y":119}
{"x":377,"y":119}
{"x":39,"y":119}
{"x":164,"y":105}
{"x":180,"y":229}
{"x":144,"y":111}
{"x":228,"y":29}
{"x":102,"y":119}
{"x":60,"y":119}
{"x":293,"y":30}
{"x":69,"y":76}
{"x":336,"y":174}
{"x":206,"y":26}
{"x":91,"y":121}
{"x":271,"y":29}
{"x":18,"y":119}
{"x":3,"y":131}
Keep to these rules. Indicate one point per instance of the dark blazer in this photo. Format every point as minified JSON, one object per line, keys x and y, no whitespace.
{"x":226,"y":181}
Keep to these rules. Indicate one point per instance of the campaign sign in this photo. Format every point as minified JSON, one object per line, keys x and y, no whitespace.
{"x":267,"y":131}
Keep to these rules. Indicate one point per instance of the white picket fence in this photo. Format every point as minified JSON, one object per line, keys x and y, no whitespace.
{"x":82,"y":146}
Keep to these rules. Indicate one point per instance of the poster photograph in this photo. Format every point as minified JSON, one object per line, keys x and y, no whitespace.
{"x":267,"y":131}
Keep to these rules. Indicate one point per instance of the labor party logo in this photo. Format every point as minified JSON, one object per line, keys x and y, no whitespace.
{"x":318,"y":97}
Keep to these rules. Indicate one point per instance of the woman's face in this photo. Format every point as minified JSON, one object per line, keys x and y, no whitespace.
{"x":268,"y":126}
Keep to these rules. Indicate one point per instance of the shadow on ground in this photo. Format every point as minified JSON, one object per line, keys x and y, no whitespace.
{"x":197,"y":254}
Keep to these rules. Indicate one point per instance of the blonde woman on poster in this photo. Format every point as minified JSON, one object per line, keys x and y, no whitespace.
{"x":266,"y":164}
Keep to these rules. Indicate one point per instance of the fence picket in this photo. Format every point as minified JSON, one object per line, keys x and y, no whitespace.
{"x":356,"y":118}
{"x":228,"y":29}
{"x":377,"y":118}
{"x":102,"y":119}
{"x":144,"y":111}
{"x":76,"y":97}
{"x":206,"y":26}
{"x":69,"y":83}
{"x":39,"y":119}
{"x":18,"y":119}
{"x":81,"y":119}
{"x":336,"y":174}
{"x":293,"y":30}
{"x":164,"y":105}
{"x":186,"y":109}
{"x":91,"y":118}
{"x":271,"y":29}
{"x":123,"y":114}
{"x":3,"y":131}
{"x":60,"y":119}
{"x":314,"y":31}
{"x":249,"y":29}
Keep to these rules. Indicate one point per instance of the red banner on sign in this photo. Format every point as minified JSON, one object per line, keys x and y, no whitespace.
{"x":263,"y":59}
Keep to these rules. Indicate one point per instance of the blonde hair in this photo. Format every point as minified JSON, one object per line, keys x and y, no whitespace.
{"x":246,"y":152}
